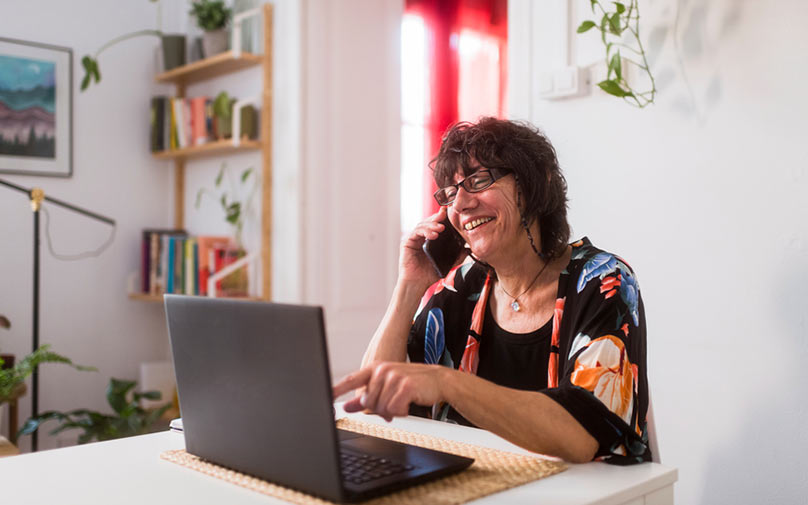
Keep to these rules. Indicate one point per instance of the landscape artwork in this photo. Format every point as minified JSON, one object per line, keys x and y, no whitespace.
{"x":27,"y":107}
{"x":35,"y":109}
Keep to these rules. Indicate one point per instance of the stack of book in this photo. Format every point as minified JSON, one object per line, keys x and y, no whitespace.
{"x":177,"y":123}
{"x":174,"y":262}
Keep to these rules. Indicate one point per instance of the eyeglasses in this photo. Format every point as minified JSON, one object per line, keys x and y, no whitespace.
{"x":478,"y":181}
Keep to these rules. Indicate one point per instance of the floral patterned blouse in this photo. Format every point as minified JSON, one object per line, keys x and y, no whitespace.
{"x":596,"y":368}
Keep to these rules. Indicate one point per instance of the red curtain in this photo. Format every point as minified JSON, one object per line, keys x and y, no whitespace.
{"x":461,"y":37}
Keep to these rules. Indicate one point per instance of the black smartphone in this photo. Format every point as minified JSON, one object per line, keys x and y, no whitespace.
{"x":444,"y":252}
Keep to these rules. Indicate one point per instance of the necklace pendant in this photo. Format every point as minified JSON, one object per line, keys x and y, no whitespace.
{"x":515,"y":306}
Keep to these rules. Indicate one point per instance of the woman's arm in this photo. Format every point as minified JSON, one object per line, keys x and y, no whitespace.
{"x":528,"y":419}
{"x":389,"y":343}
{"x":415,"y":275}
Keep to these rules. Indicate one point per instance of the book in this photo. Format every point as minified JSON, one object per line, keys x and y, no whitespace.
{"x":198,"y":120}
{"x":150,"y":262}
{"x":179,"y":256}
{"x":206,"y":260}
{"x":158,"y":123}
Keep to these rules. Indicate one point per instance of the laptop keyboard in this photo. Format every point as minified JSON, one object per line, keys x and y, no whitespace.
{"x":361,"y":468}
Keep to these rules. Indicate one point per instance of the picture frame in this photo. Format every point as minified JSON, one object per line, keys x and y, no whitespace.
{"x":36,"y":109}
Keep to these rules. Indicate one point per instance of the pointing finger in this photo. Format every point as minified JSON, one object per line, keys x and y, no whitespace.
{"x":351,"y":382}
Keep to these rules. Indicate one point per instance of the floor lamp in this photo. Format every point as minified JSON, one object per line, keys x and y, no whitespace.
{"x":37,"y":196}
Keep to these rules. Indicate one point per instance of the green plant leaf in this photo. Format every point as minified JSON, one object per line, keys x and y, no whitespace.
{"x":150,"y":395}
{"x":593,"y":3}
{"x":233,"y":212}
{"x":218,"y":181}
{"x":116,"y":393}
{"x":615,"y":65}
{"x":604,"y":27}
{"x":90,"y":66}
{"x":586,"y":26}
{"x":246,"y":174}
{"x":620,"y":7}
{"x":198,"y":200}
{"x":613,"y":88}
{"x":614,"y":24}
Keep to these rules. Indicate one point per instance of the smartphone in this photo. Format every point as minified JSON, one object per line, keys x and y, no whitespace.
{"x":444,"y":252}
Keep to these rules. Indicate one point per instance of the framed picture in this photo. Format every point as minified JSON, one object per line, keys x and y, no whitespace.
{"x":36,"y":109}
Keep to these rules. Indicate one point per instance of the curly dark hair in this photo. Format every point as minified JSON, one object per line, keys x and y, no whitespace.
{"x":523,"y":149}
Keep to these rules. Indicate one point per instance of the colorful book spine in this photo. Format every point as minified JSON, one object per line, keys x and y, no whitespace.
{"x":170,"y":269}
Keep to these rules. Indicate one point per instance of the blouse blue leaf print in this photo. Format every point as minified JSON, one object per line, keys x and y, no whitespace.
{"x":433,"y":338}
{"x":599,"y":265}
{"x":629,"y":292}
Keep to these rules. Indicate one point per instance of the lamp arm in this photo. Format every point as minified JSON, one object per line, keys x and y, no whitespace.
{"x":35,"y":191}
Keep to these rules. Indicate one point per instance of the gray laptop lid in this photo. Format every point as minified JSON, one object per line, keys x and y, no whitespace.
{"x":255,"y":389}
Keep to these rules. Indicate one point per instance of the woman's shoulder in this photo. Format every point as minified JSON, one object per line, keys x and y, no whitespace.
{"x":588,"y":262}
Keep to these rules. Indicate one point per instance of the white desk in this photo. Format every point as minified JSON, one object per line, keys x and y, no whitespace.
{"x":130,"y":471}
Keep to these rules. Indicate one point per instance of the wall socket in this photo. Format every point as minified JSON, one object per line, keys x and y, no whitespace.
{"x":566,"y":82}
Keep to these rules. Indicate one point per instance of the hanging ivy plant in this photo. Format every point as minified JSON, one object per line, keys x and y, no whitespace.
{"x":619,"y":28}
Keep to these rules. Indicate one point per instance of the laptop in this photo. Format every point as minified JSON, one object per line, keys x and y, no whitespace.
{"x":254,"y":389}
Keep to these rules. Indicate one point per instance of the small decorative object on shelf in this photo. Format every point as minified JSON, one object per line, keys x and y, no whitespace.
{"x":212,"y":16}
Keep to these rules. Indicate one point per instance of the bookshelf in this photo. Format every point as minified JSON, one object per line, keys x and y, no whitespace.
{"x":209,"y":68}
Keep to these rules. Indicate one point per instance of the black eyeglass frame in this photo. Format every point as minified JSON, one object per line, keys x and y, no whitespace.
{"x":496,"y":174}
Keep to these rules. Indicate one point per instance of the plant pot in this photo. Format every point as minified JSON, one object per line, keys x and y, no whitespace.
{"x":214,"y":42}
{"x":173,"y":51}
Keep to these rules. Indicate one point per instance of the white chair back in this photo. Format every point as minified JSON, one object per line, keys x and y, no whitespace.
{"x":652,"y":434}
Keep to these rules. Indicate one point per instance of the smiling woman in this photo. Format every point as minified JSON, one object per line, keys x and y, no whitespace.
{"x":537,"y":340}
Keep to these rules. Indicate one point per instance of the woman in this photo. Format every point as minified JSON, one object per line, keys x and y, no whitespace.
{"x":538,"y":341}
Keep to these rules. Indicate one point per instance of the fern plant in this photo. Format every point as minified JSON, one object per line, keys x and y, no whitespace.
{"x":12,"y":380}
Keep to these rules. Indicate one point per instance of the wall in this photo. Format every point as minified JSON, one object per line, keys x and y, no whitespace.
{"x":703,"y":193}
{"x":351,"y":167}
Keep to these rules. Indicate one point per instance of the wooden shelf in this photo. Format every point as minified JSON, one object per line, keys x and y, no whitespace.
{"x":215,"y":148}
{"x":143,"y":297}
{"x":219,"y":65}
{"x":208,"y":68}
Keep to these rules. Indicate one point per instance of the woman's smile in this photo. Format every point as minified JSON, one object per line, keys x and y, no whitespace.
{"x":474,"y":223}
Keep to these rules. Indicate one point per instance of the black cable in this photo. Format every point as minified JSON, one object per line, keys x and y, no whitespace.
{"x":79,"y":256}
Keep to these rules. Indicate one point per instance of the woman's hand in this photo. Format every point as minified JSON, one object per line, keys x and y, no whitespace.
{"x":413,"y":265}
{"x":390,"y":387}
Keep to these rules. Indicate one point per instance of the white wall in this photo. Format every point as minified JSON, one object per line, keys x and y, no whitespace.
{"x":704,"y":195}
{"x":351,"y":167}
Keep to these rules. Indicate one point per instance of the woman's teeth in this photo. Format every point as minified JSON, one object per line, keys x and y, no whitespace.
{"x":477,"y":222}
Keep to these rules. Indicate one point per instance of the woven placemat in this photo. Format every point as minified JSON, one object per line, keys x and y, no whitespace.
{"x":491,"y":472}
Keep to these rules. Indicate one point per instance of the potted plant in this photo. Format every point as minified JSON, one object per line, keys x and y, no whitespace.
{"x":212,"y":16}
{"x":128,"y":417}
{"x":173,"y":52}
{"x":12,"y":379}
{"x":233,"y":208}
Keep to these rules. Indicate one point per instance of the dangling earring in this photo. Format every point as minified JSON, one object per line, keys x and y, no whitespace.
{"x":524,"y":221}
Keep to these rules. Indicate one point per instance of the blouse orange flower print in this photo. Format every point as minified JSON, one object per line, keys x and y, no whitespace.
{"x":603,"y":368}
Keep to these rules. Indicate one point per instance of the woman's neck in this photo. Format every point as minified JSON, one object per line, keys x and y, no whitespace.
{"x":518,"y":266}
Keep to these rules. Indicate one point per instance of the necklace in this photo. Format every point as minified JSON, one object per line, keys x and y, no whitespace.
{"x":515,"y":303}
